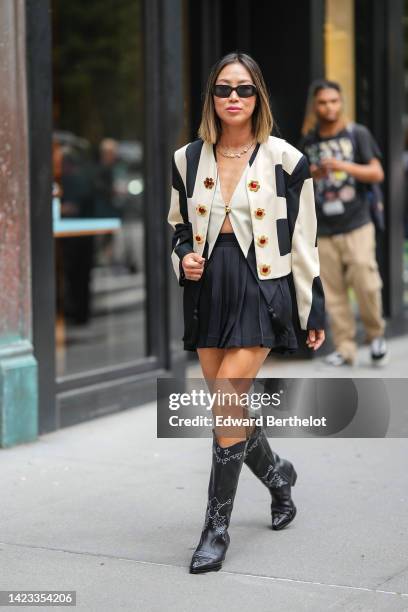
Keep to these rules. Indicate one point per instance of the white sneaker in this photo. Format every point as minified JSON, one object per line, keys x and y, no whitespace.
{"x":335,"y":359}
{"x":379,"y":351}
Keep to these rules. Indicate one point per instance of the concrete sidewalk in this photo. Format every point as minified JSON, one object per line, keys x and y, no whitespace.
{"x":107,"y":509}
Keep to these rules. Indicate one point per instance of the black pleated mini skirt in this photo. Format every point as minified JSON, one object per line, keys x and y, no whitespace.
{"x":232,"y":311}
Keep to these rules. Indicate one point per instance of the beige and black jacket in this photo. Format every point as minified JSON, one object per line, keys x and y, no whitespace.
{"x":282,"y":206}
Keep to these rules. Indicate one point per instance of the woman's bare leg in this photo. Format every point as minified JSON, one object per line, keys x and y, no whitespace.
{"x":239,"y":364}
{"x":243,"y":362}
{"x":210,"y":361}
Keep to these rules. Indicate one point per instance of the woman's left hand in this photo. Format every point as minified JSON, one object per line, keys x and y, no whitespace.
{"x":315,"y":338}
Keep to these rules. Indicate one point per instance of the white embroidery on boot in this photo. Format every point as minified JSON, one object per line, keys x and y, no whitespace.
{"x":213,"y":518}
{"x":224,"y":460}
{"x":272,"y":478}
{"x":253,"y":443}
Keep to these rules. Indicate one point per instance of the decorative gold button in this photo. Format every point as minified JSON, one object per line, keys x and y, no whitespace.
{"x":264,"y":269}
{"x":262,"y":240}
{"x":209,"y":183}
{"x":227,"y":209}
{"x":201,"y":209}
{"x":259,"y":213}
{"x":253,"y":185}
{"x":198,"y":238}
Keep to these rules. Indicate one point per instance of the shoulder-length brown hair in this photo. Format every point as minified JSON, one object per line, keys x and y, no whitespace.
{"x":262,"y":119}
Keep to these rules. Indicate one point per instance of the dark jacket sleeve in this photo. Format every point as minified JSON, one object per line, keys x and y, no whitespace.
{"x":182,"y":239}
{"x":302,"y":221}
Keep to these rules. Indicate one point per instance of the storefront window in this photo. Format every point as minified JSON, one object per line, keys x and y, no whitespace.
{"x":98,"y":205}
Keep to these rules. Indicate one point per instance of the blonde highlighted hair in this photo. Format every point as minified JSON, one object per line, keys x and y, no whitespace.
{"x":262,"y":119}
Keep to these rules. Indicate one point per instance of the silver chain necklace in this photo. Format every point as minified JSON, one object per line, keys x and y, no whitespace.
{"x":227,"y":152}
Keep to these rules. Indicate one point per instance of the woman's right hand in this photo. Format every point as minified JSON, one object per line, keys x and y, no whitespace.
{"x":193,"y":266}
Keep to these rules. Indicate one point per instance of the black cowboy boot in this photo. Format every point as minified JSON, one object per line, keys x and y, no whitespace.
{"x":277,"y":474}
{"x":226,"y":467}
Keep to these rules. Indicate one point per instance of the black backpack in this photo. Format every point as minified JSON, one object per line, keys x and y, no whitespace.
{"x":373,"y":190}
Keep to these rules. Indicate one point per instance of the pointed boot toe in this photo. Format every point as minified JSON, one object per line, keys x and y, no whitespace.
{"x":281,"y":517}
{"x":204,"y":562}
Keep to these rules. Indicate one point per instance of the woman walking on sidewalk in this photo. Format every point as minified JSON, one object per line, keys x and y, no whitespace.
{"x":243,"y":214}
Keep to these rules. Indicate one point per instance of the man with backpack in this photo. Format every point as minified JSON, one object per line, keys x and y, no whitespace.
{"x":345,"y":165}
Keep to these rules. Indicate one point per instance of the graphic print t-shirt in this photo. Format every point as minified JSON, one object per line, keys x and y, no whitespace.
{"x":341,"y":201}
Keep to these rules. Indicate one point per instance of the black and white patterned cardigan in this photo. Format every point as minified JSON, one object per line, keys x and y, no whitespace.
{"x":282,"y":205}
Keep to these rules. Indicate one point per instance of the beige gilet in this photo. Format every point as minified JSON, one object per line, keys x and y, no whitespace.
{"x":240,"y":215}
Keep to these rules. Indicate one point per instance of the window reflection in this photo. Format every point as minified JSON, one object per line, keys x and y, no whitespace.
{"x":405,"y":155}
{"x":98,"y":184}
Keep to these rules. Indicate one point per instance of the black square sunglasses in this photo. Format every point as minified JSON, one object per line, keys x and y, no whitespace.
{"x":243,"y":91}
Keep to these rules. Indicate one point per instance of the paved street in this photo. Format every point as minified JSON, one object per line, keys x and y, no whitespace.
{"x":107,"y":509}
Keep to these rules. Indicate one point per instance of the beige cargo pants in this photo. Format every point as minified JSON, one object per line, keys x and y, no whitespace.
{"x":348,"y":260}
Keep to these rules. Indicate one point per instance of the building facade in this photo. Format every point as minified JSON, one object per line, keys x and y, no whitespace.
{"x":93,"y":103}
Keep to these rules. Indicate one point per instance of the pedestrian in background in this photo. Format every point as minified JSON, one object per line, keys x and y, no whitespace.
{"x":344,"y":159}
